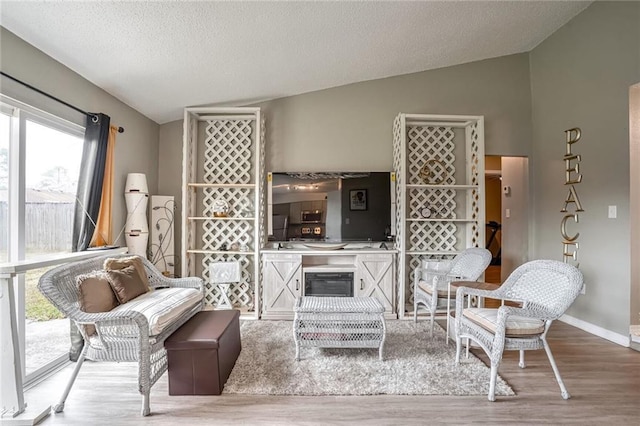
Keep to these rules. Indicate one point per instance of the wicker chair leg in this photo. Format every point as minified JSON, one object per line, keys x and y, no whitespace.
{"x":521,"y":364}
{"x":563,"y":390}
{"x":492,"y":382}
{"x":432,"y":321}
{"x":59,"y":407}
{"x":458,"y":348}
{"x":415,"y":312}
{"x":146,"y":408}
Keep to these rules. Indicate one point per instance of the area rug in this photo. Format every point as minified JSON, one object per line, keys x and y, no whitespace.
{"x":414,"y":364}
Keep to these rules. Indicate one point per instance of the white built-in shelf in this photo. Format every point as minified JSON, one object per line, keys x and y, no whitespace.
{"x":244,"y":253}
{"x":432,"y":253}
{"x":442,"y":186}
{"x":219,"y":218}
{"x":329,"y":267}
{"x":221,"y":185}
{"x":438,"y":220}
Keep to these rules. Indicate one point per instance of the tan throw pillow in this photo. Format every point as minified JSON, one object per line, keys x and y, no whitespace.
{"x":96,"y":295}
{"x":126,"y":283}
{"x":114,"y":264}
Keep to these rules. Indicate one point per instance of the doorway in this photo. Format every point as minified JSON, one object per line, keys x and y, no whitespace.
{"x":507,"y":214}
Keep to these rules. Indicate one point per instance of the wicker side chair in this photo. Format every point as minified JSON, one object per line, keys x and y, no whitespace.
{"x":431,"y":281}
{"x":122,"y":334}
{"x":544,"y":288}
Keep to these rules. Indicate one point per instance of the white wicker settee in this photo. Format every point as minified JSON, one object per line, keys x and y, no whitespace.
{"x":133,"y":331}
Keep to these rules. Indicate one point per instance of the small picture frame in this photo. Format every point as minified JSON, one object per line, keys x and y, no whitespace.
{"x":358,"y":199}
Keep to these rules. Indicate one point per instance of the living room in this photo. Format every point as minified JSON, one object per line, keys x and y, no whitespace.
{"x":578,"y":76}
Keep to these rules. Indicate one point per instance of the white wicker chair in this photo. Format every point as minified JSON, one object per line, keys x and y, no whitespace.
{"x":122,"y":335}
{"x":545,"y":288}
{"x":431,"y":282}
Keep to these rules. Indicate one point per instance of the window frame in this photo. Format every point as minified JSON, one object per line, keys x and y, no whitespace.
{"x":20,"y":113}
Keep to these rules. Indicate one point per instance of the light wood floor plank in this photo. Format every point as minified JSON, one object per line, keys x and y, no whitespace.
{"x":603,"y":379}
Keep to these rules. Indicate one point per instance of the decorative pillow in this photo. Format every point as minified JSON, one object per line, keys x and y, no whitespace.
{"x":126,"y":283}
{"x":96,"y":295}
{"x":114,"y":264}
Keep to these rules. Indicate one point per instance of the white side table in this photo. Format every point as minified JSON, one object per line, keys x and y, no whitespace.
{"x":225,"y":303}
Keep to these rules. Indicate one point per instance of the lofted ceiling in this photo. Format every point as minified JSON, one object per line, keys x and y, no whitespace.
{"x":161,"y":56}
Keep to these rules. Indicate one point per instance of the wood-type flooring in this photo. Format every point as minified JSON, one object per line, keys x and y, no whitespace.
{"x":602,"y":377}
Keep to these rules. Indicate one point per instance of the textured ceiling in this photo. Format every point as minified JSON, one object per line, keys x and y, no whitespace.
{"x":159,"y":57}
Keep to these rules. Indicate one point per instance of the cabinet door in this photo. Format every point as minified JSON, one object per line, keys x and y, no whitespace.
{"x":375,"y":277}
{"x":282,"y":282}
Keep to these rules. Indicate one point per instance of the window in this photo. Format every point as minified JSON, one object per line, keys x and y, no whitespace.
{"x":40,"y":156}
{"x":5,"y":129}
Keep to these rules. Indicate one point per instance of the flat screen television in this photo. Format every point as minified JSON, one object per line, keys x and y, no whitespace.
{"x":331,"y":206}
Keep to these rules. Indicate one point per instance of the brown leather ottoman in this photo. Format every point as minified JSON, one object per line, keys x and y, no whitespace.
{"x":202,"y":353}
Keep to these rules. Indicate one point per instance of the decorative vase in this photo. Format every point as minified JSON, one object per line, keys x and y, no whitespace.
{"x":136,"y":226}
{"x":220,"y":208}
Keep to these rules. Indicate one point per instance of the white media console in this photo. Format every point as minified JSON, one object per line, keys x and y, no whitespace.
{"x":288,"y":273}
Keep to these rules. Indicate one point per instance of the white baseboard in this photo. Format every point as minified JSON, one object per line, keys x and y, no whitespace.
{"x":620,"y":339}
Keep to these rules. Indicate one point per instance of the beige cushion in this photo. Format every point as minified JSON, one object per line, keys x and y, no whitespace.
{"x":126,"y":283}
{"x":163,"y":306}
{"x":427,"y":289}
{"x":516,"y":325}
{"x":96,"y":295}
{"x":115,"y":264}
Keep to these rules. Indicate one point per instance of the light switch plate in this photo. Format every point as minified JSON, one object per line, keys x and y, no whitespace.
{"x":613,"y":212}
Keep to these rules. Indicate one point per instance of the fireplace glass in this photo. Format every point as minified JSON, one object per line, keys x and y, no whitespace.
{"x":336,"y":284}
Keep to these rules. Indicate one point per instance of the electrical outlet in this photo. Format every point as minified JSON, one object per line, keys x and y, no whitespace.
{"x":583,"y":290}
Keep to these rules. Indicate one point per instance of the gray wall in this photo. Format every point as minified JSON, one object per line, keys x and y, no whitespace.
{"x":170,"y":178}
{"x":580,"y":77}
{"x":350,"y":127}
{"x":515,"y":228}
{"x":136,"y":149}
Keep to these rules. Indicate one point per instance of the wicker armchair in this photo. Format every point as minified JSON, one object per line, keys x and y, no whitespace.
{"x":122,"y":334}
{"x":545,"y":288}
{"x":431,"y":282}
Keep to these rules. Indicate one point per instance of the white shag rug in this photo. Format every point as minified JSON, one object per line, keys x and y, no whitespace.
{"x":414,"y":364}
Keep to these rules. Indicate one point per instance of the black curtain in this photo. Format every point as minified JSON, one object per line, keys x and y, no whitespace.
{"x":88,"y":197}
{"x":89,"y":193}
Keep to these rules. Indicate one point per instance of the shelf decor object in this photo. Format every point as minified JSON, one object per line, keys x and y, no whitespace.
{"x":223,"y":274}
{"x":161,"y":250}
{"x":433,"y":172}
{"x":223,"y":201}
{"x":439,"y":165}
{"x":220,"y":208}
{"x":136,"y":229}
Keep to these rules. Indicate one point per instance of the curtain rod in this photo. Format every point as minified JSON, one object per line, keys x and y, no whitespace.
{"x":35,"y":89}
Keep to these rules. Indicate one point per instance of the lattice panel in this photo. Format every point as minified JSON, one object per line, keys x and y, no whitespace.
{"x":189,"y":208}
{"x":228,"y":154}
{"x":240,"y":201}
{"x":241,"y":293}
{"x":441,"y":201}
{"x":216,"y":233}
{"x":477,"y":236}
{"x":398,"y":132}
{"x":263,"y":207}
{"x":431,"y":143}
{"x":431,"y":236}
{"x":262,"y":211}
